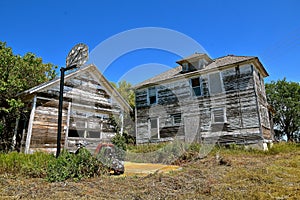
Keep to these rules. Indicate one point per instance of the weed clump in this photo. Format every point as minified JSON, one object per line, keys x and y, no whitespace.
{"x":75,"y":167}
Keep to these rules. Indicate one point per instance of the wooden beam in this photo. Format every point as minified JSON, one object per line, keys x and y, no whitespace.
{"x":28,"y":138}
{"x":158,"y":132}
{"x":68,"y":125}
{"x":101,"y":128}
{"x":122,"y":122}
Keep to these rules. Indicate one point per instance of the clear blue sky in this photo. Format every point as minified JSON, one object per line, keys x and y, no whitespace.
{"x":49,"y":28}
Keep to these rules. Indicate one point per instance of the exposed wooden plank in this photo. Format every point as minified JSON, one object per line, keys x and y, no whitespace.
{"x":28,"y":138}
{"x":68,"y":125}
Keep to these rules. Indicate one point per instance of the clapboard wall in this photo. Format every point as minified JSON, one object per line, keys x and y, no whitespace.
{"x":242,"y":105}
{"x":88,"y":109}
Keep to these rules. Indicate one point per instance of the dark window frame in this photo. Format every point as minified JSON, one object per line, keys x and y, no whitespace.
{"x":196,"y":86}
{"x":152,"y":99}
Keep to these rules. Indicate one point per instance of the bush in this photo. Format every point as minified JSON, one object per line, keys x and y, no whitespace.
{"x":75,"y":167}
{"x":120,"y":145}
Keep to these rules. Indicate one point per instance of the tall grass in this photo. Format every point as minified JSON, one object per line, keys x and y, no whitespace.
{"x":167,"y":153}
{"x":276,"y":148}
{"x":29,"y":165}
{"x":44,"y":165}
{"x":177,"y":152}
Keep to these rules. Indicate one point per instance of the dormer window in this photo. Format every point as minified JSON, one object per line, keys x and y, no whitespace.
{"x":201,"y":63}
{"x":197,"y":61}
{"x":185,"y":67}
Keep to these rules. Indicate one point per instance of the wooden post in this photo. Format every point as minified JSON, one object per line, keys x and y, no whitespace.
{"x":68,"y":125}
{"x":60,"y":107}
{"x":122,"y":122}
{"x":28,"y":138}
{"x":101,"y":127}
{"x":158,"y":133}
{"x":14,"y":140}
{"x":136,"y":129}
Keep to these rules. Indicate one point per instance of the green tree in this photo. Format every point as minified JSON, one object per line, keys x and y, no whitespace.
{"x":17,"y":73}
{"x":126,"y":91}
{"x":284,"y":97}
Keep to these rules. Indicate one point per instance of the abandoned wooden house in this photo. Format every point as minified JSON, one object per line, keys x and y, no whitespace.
{"x":88,"y":105}
{"x":216,"y":100}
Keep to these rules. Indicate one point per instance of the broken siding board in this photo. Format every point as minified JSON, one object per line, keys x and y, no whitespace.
{"x":68,"y":125}
{"x":28,"y":138}
{"x":78,"y":95}
{"x":45,"y":132}
{"x":262,"y":105}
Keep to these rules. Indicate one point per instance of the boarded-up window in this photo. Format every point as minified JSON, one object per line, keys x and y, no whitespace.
{"x":218,"y":115}
{"x":204,"y":87}
{"x":153,"y":122}
{"x":154,"y":128}
{"x":215,"y":83}
{"x":152,"y":95}
{"x":176,"y":119}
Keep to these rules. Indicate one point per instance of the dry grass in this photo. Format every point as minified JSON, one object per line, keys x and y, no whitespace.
{"x":235,"y":175}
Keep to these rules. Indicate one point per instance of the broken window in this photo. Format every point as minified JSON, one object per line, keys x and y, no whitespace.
{"x":196,"y":86}
{"x":199,"y":86}
{"x":86,"y":125}
{"x":152,"y":95}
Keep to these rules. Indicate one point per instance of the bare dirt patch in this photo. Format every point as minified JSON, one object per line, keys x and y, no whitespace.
{"x":143,"y":169}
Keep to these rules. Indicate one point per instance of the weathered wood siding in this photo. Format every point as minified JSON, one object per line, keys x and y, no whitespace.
{"x":88,"y":116}
{"x":237,"y":100}
{"x":262,"y":105}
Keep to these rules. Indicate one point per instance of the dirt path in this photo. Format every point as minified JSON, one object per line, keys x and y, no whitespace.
{"x":142,"y":169}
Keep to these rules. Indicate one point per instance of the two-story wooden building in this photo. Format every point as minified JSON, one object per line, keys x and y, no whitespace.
{"x":203,"y":99}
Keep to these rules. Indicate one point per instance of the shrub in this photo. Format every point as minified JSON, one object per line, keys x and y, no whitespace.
{"x":120,"y":145}
{"x":75,"y":167}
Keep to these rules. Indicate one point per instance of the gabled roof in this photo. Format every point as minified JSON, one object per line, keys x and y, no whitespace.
{"x":214,"y":65}
{"x":228,"y":60}
{"x":89,"y":68}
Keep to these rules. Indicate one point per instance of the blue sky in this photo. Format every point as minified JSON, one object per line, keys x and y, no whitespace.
{"x":267,"y":29}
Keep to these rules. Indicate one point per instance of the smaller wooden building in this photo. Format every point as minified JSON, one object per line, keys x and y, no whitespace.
{"x":90,"y":102}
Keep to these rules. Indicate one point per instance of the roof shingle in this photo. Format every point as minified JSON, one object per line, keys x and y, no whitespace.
{"x":218,"y":62}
